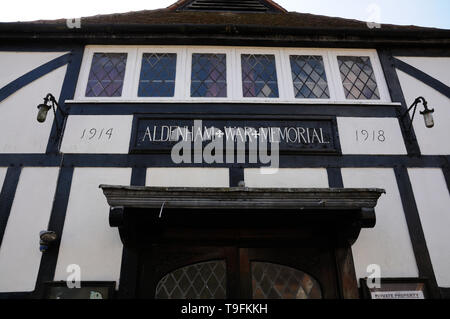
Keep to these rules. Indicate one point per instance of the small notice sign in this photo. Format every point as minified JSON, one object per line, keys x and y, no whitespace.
{"x":395,"y":288}
{"x":397,"y":295}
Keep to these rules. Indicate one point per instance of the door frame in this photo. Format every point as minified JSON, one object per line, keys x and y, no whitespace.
{"x":310,"y":236}
{"x":240,"y":216}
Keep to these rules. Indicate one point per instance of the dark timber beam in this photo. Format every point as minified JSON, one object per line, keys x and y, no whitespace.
{"x":415,"y":229}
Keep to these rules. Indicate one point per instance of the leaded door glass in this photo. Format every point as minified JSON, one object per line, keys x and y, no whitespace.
{"x":209,"y":75}
{"x":259,"y":75}
{"x":230,"y":272}
{"x":106,"y":75}
{"x":309,"y":77}
{"x":272,"y":281}
{"x":199,"y":281}
{"x":358,"y":78}
{"x":157,"y":78}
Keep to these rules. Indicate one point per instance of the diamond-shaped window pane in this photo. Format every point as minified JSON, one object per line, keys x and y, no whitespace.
{"x":157,"y":77}
{"x":209,"y":75}
{"x":309,"y":77}
{"x":358,"y":78}
{"x":199,"y":281}
{"x":272,"y":281}
{"x":259,"y":76}
{"x":106,"y":75}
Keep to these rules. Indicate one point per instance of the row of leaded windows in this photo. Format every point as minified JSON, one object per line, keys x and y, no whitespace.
{"x":209,"y":76}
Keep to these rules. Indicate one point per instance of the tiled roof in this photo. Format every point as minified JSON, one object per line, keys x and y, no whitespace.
{"x":171,"y":17}
{"x":177,"y":26}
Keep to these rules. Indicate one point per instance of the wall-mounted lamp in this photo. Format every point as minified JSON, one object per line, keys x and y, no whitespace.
{"x":49,"y":102}
{"x":46,"y":237}
{"x":427,"y":113}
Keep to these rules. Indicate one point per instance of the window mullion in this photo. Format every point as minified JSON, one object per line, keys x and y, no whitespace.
{"x":332,"y":76}
{"x":129,"y":73}
{"x":133,"y":94}
{"x":283,"y":80}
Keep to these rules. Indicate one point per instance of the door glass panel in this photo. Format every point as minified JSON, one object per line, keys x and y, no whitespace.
{"x":271,"y":281}
{"x":199,"y":281}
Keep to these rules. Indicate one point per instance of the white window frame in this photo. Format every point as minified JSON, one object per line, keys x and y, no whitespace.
{"x":179,"y":75}
{"x":287,"y":53}
{"x":378,"y":72}
{"x":229,"y":65}
{"x":234,"y":75}
{"x":80,"y":92}
{"x":282,"y":94}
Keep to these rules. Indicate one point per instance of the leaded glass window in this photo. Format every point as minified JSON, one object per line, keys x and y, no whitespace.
{"x":259,"y":75}
{"x":209,"y":75}
{"x":157,"y":77}
{"x":106,"y":75}
{"x":309,"y":77}
{"x":358,"y":78}
{"x":199,"y":281}
{"x":272,"y":281}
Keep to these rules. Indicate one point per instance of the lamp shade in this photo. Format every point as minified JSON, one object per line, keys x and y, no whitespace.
{"x":42,"y":113}
{"x":429,"y":121}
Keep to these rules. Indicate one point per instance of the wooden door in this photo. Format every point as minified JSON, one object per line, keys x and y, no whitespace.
{"x":231,"y":272}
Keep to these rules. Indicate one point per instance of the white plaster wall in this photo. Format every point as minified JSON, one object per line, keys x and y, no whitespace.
{"x":388,"y":244}
{"x":104,"y":134}
{"x":16,"y":64}
{"x":20,"y":132}
{"x":87,"y":238}
{"x":372,"y":136}
{"x":432,"y":141}
{"x":435,"y":67}
{"x":3,"y":171}
{"x":30,"y":213}
{"x":433,"y":202}
{"x":187,"y":177}
{"x":287,"y":178}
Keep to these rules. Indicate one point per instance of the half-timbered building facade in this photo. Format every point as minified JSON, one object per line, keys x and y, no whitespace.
{"x":223,"y":149}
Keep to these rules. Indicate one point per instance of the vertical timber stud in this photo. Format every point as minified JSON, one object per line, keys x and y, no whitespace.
{"x":49,"y":259}
{"x":396,"y":92}
{"x":335,"y":177}
{"x":236,"y":176}
{"x":130,"y":255}
{"x":138,"y":176}
{"x":446,"y":171}
{"x":7,"y":194}
{"x":416,"y":234}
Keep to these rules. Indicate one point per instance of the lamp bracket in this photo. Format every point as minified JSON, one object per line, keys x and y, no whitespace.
{"x":414,"y":106}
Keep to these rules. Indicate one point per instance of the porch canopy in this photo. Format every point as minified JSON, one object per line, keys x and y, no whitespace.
{"x":153,"y":213}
